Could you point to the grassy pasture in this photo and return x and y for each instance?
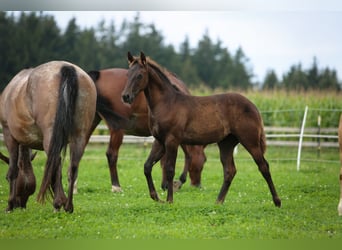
(309, 197)
(309, 201)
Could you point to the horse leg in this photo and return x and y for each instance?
(164, 181)
(226, 147)
(59, 199)
(182, 178)
(76, 151)
(340, 203)
(155, 155)
(116, 137)
(258, 156)
(194, 161)
(13, 170)
(26, 181)
(339, 207)
(96, 122)
(170, 163)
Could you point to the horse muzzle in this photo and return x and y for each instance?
(127, 98)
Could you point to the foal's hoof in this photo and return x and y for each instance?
(277, 202)
(116, 189)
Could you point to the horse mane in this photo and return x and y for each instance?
(161, 72)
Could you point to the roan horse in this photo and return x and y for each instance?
(110, 84)
(339, 208)
(46, 108)
(176, 118)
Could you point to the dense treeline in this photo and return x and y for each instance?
(33, 38)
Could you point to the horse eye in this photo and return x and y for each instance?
(139, 77)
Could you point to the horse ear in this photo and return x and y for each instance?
(143, 58)
(130, 57)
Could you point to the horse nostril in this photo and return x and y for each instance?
(125, 98)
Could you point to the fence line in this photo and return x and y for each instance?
(277, 136)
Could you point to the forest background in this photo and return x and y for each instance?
(33, 38)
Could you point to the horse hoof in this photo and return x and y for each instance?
(196, 185)
(277, 202)
(69, 210)
(9, 210)
(116, 189)
(164, 186)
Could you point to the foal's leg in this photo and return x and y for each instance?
(226, 147)
(116, 137)
(170, 163)
(76, 151)
(258, 156)
(194, 161)
(182, 178)
(156, 154)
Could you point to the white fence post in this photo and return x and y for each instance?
(301, 138)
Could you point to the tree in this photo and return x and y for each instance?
(7, 60)
(329, 80)
(70, 41)
(313, 75)
(271, 81)
(296, 79)
(240, 74)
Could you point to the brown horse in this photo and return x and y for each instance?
(226, 119)
(46, 108)
(339, 208)
(109, 84)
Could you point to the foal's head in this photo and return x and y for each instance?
(137, 77)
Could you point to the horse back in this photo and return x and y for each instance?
(207, 119)
(43, 90)
(30, 102)
(15, 116)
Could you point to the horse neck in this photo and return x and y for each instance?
(158, 90)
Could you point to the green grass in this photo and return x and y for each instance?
(309, 201)
(290, 106)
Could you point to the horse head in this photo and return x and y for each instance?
(137, 77)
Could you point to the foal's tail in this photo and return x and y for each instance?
(62, 129)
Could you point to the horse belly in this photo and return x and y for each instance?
(204, 133)
(30, 136)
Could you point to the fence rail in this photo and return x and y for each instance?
(274, 136)
(277, 136)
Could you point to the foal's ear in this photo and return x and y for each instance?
(143, 58)
(130, 57)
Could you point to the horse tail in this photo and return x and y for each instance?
(62, 129)
(113, 119)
